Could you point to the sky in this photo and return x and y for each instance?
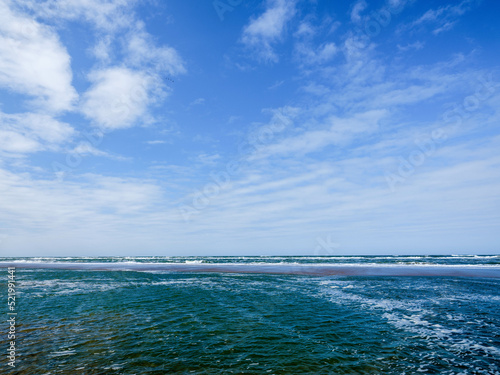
(228, 127)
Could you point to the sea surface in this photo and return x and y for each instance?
(255, 315)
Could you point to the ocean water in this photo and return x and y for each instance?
(255, 315)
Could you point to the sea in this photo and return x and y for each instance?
(252, 315)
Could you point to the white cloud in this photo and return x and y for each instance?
(364, 83)
(447, 26)
(102, 50)
(34, 62)
(276, 85)
(47, 128)
(305, 30)
(348, 197)
(443, 18)
(17, 143)
(63, 214)
(267, 29)
(418, 45)
(85, 148)
(356, 49)
(340, 131)
(197, 101)
(110, 17)
(316, 55)
(143, 53)
(118, 98)
(31, 132)
(307, 51)
(104, 14)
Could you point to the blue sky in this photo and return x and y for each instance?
(249, 128)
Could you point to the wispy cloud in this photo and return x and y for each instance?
(305, 29)
(85, 148)
(267, 29)
(30, 132)
(197, 101)
(337, 131)
(411, 46)
(314, 55)
(102, 49)
(443, 18)
(97, 203)
(143, 53)
(348, 196)
(108, 15)
(276, 85)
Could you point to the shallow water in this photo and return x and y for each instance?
(161, 322)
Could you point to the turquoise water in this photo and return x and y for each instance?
(85, 321)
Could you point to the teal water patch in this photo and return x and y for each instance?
(125, 322)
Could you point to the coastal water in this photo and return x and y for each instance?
(125, 320)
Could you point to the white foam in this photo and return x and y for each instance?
(411, 317)
(65, 287)
(62, 353)
(472, 346)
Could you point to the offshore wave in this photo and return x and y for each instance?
(423, 259)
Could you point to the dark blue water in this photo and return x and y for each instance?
(161, 322)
